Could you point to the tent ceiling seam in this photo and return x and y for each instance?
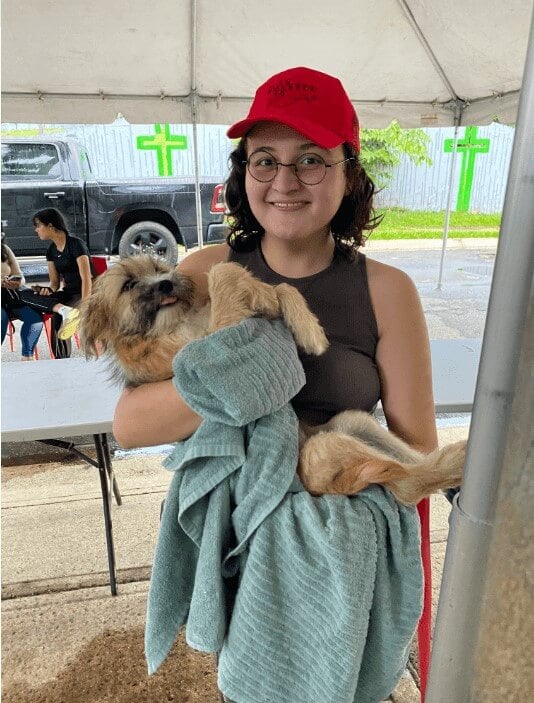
(40, 95)
(193, 44)
(192, 97)
(424, 42)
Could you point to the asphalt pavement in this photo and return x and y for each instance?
(456, 309)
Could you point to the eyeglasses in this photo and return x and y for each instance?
(310, 169)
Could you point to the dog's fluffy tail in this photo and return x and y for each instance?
(334, 462)
(410, 483)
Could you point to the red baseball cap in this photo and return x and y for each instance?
(310, 102)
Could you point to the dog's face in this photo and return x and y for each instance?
(137, 297)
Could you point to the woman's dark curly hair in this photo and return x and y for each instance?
(355, 215)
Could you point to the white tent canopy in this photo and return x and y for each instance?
(72, 61)
(422, 62)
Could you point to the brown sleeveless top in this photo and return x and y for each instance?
(345, 376)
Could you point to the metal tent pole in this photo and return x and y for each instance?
(198, 201)
(473, 514)
(194, 116)
(457, 120)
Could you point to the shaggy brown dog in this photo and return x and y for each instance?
(141, 312)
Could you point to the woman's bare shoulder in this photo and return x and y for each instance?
(392, 291)
(202, 260)
(386, 279)
(10, 255)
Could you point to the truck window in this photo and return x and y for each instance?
(21, 161)
(85, 165)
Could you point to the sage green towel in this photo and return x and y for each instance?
(330, 588)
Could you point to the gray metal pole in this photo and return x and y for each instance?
(457, 120)
(198, 201)
(465, 570)
(505, 648)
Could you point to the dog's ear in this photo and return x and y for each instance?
(96, 333)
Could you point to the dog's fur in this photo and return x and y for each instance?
(142, 312)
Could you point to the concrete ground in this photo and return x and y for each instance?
(65, 639)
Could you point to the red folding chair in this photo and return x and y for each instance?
(424, 629)
(100, 265)
(10, 334)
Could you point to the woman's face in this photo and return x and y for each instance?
(286, 208)
(41, 230)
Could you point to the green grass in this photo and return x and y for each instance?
(412, 224)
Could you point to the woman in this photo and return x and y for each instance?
(12, 306)
(300, 203)
(71, 274)
(285, 229)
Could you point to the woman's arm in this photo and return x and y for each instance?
(53, 275)
(84, 268)
(154, 413)
(14, 270)
(403, 357)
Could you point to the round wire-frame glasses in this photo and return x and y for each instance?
(310, 169)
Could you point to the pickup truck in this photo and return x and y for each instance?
(123, 216)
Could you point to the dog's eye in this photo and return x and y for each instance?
(128, 285)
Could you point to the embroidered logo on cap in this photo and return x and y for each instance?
(286, 92)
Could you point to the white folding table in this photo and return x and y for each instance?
(48, 401)
(454, 373)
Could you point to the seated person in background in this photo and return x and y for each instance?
(71, 273)
(13, 308)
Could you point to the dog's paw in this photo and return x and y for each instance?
(225, 274)
(236, 295)
(304, 326)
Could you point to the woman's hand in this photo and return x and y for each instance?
(11, 283)
(42, 290)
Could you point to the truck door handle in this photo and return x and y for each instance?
(54, 196)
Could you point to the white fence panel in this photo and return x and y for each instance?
(149, 151)
(482, 188)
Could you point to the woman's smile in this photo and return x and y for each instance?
(274, 201)
(289, 206)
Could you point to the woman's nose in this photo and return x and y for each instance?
(286, 178)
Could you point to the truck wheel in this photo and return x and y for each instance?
(149, 238)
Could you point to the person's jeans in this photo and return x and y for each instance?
(45, 303)
(32, 326)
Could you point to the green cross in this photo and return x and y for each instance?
(163, 142)
(469, 146)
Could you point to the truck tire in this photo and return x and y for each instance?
(149, 238)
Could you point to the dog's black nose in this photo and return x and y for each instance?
(166, 287)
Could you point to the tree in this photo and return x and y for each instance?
(382, 149)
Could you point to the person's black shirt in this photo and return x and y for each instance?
(66, 262)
